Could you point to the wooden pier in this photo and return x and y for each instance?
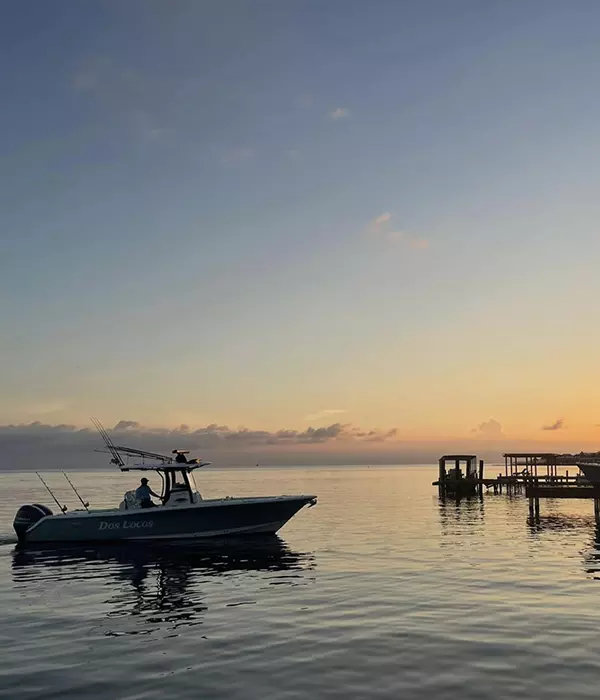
(467, 473)
(535, 474)
(531, 462)
(536, 491)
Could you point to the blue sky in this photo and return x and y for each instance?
(254, 213)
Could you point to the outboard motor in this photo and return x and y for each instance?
(28, 515)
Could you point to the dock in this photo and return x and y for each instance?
(535, 491)
(535, 475)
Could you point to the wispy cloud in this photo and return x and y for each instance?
(374, 435)
(382, 218)
(489, 429)
(325, 413)
(557, 425)
(381, 226)
(339, 113)
(237, 155)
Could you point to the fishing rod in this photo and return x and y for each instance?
(116, 457)
(83, 503)
(62, 508)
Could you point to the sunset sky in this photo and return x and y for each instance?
(283, 215)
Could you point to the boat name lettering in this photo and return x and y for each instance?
(127, 525)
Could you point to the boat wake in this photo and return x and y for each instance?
(8, 540)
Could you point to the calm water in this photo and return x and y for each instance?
(380, 591)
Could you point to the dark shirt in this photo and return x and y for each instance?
(143, 492)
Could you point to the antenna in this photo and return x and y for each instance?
(62, 508)
(116, 457)
(83, 503)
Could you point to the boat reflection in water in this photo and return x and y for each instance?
(152, 587)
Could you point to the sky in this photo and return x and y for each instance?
(374, 219)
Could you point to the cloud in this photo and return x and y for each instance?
(379, 224)
(382, 218)
(126, 425)
(331, 432)
(58, 444)
(324, 413)
(37, 427)
(48, 447)
(339, 113)
(237, 155)
(375, 436)
(557, 425)
(490, 429)
(381, 227)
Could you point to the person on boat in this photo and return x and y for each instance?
(143, 494)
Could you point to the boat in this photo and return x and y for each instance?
(591, 471)
(183, 515)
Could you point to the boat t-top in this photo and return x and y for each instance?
(182, 514)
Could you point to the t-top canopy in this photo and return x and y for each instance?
(164, 467)
(166, 463)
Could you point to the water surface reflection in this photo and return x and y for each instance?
(162, 586)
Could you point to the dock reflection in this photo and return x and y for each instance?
(455, 509)
(163, 586)
(460, 517)
(591, 558)
(558, 523)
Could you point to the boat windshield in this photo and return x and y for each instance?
(193, 483)
(176, 483)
